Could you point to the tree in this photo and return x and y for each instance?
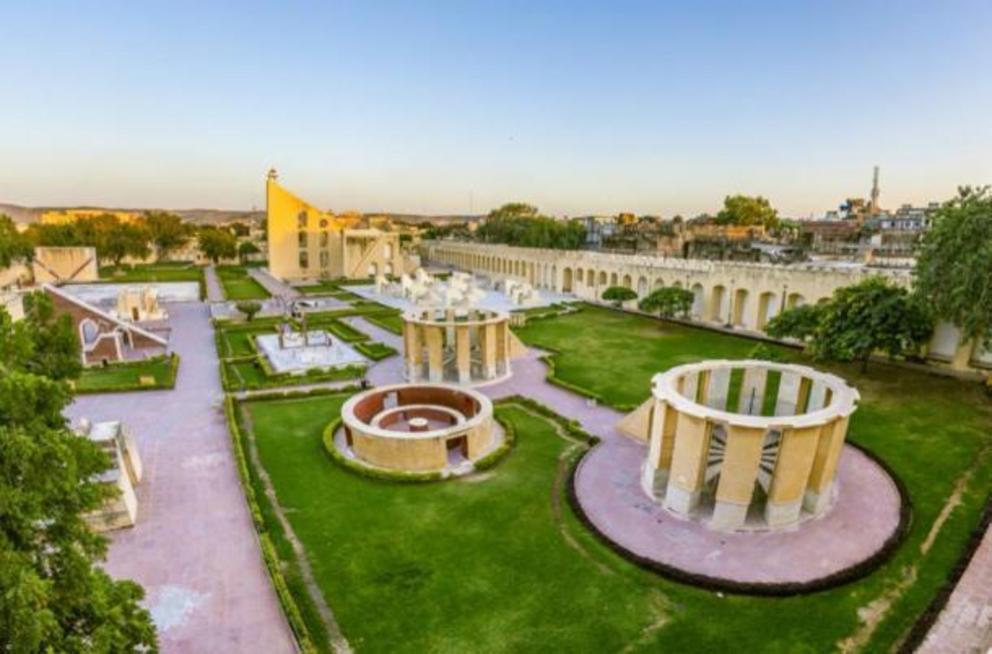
(217, 244)
(667, 302)
(954, 263)
(518, 223)
(124, 240)
(618, 295)
(14, 246)
(54, 596)
(246, 249)
(871, 316)
(799, 323)
(56, 350)
(249, 309)
(167, 232)
(748, 210)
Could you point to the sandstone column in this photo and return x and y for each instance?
(738, 473)
(435, 353)
(688, 464)
(795, 461)
(462, 350)
(821, 476)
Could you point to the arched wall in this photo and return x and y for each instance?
(769, 287)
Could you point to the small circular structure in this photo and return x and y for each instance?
(459, 346)
(746, 444)
(419, 427)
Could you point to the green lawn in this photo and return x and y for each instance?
(127, 376)
(238, 285)
(155, 272)
(931, 430)
(490, 566)
(391, 322)
(248, 374)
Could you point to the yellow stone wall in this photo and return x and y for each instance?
(335, 246)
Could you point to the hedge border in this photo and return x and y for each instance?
(842, 577)
(921, 627)
(270, 557)
(167, 385)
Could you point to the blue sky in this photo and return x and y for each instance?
(442, 107)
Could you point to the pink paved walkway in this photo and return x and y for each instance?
(194, 548)
(965, 624)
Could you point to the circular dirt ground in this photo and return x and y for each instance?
(857, 533)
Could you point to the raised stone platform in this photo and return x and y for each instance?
(860, 529)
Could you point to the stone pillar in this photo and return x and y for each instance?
(792, 468)
(435, 353)
(463, 345)
(686, 478)
(738, 474)
(502, 338)
(661, 440)
(487, 343)
(415, 352)
(821, 477)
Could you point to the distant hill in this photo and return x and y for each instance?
(22, 214)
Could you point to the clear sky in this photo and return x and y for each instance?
(444, 107)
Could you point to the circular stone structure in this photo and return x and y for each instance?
(459, 346)
(419, 428)
(737, 478)
(749, 443)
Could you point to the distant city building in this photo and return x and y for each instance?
(66, 216)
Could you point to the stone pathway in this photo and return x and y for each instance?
(215, 290)
(275, 287)
(965, 624)
(194, 547)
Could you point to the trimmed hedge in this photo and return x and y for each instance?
(379, 474)
(376, 319)
(374, 350)
(572, 427)
(269, 555)
(495, 457)
(789, 589)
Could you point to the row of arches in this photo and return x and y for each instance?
(720, 303)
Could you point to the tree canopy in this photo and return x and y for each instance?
(517, 223)
(217, 243)
(113, 238)
(167, 231)
(54, 598)
(618, 295)
(246, 249)
(859, 320)
(667, 302)
(954, 263)
(748, 210)
(799, 323)
(14, 246)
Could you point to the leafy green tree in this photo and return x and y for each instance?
(249, 309)
(954, 263)
(55, 347)
(54, 597)
(799, 323)
(14, 246)
(520, 224)
(748, 210)
(668, 302)
(124, 240)
(217, 244)
(167, 232)
(618, 295)
(868, 317)
(245, 250)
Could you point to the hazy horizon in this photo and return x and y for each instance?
(576, 108)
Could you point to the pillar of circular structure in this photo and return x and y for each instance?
(419, 428)
(756, 441)
(458, 346)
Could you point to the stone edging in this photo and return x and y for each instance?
(928, 618)
(785, 589)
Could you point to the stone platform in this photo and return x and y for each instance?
(818, 553)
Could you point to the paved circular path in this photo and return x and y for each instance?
(865, 514)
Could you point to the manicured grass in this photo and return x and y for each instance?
(374, 351)
(155, 272)
(322, 288)
(929, 429)
(248, 374)
(448, 567)
(391, 322)
(238, 285)
(120, 377)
